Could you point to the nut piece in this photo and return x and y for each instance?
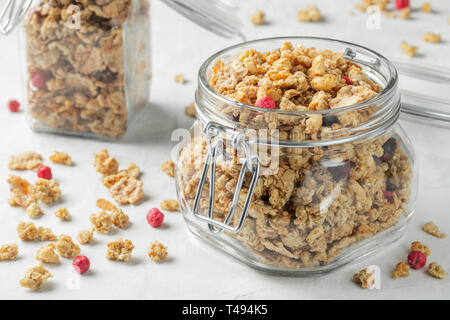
(426, 7)
(35, 277)
(105, 164)
(309, 14)
(169, 168)
(157, 251)
(401, 270)
(22, 193)
(179, 78)
(433, 229)
(34, 211)
(47, 191)
(170, 205)
(258, 17)
(85, 236)
(27, 231)
(25, 161)
(190, 110)
(46, 234)
(47, 254)
(120, 250)
(431, 37)
(63, 214)
(66, 247)
(120, 219)
(418, 246)
(9, 252)
(101, 221)
(408, 50)
(365, 278)
(105, 205)
(61, 158)
(436, 271)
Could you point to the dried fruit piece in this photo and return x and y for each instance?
(155, 217)
(105, 164)
(417, 259)
(85, 236)
(81, 264)
(27, 160)
(339, 171)
(63, 214)
(418, 246)
(401, 270)
(266, 103)
(61, 158)
(401, 4)
(389, 148)
(258, 17)
(44, 172)
(47, 191)
(170, 205)
(120, 219)
(365, 278)
(120, 250)
(157, 251)
(102, 222)
(66, 247)
(13, 105)
(433, 229)
(436, 271)
(47, 254)
(34, 211)
(169, 168)
(9, 252)
(347, 80)
(389, 195)
(35, 277)
(38, 80)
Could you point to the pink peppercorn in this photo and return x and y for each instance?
(44, 172)
(38, 80)
(266, 103)
(401, 4)
(347, 80)
(13, 105)
(81, 264)
(155, 217)
(417, 259)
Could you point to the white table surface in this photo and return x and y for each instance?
(195, 270)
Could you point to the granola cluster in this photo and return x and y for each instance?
(170, 205)
(47, 254)
(63, 214)
(35, 277)
(364, 278)
(80, 52)
(157, 251)
(25, 161)
(109, 216)
(120, 250)
(433, 229)
(401, 270)
(66, 247)
(61, 158)
(27, 231)
(9, 252)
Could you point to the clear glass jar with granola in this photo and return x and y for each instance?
(297, 164)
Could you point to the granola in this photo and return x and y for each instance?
(27, 231)
(35, 277)
(169, 168)
(25, 161)
(34, 210)
(105, 164)
(170, 205)
(63, 214)
(133, 171)
(47, 254)
(101, 221)
(426, 7)
(105, 205)
(120, 250)
(61, 158)
(365, 278)
(258, 17)
(157, 251)
(124, 188)
(9, 252)
(46, 234)
(418, 246)
(431, 37)
(22, 193)
(120, 219)
(401, 270)
(408, 49)
(179, 78)
(190, 110)
(309, 14)
(47, 191)
(436, 271)
(405, 13)
(85, 237)
(66, 247)
(432, 228)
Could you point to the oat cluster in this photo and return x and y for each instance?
(47, 254)
(157, 251)
(401, 270)
(27, 231)
(309, 14)
(418, 246)
(169, 168)
(364, 278)
(433, 229)
(66, 247)
(120, 250)
(9, 252)
(63, 214)
(61, 158)
(170, 205)
(25, 161)
(35, 277)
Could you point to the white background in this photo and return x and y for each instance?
(195, 270)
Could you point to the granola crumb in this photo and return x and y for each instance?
(436, 271)
(408, 50)
(179, 78)
(169, 168)
(309, 14)
(63, 214)
(258, 17)
(85, 237)
(46, 234)
(426, 7)
(34, 210)
(25, 161)
(125, 189)
(66, 247)
(401, 270)
(27, 231)
(47, 191)
(101, 221)
(35, 277)
(365, 278)
(61, 158)
(418, 246)
(105, 164)
(432, 228)
(431, 37)
(21, 192)
(133, 170)
(9, 252)
(170, 205)
(47, 254)
(120, 219)
(190, 110)
(120, 250)
(405, 13)
(157, 251)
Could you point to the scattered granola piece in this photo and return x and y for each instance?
(258, 17)
(22, 193)
(170, 205)
(81, 264)
(157, 251)
(44, 172)
(179, 78)
(27, 231)
(25, 161)
(120, 219)
(133, 170)
(418, 246)
(66, 247)
(120, 250)
(365, 278)
(46, 234)
(35, 277)
(105, 205)
(101, 221)
(34, 210)
(405, 14)
(309, 14)
(190, 110)
(431, 37)
(105, 164)
(433, 229)
(124, 188)
(47, 254)
(436, 271)
(47, 191)
(9, 252)
(426, 7)
(61, 158)
(408, 50)
(85, 236)
(63, 214)
(401, 270)
(169, 168)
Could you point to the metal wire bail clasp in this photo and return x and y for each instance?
(250, 163)
(10, 17)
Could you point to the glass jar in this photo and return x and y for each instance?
(262, 186)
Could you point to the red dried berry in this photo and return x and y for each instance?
(81, 264)
(38, 80)
(13, 105)
(389, 195)
(44, 172)
(155, 217)
(347, 80)
(401, 4)
(257, 85)
(266, 103)
(417, 259)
